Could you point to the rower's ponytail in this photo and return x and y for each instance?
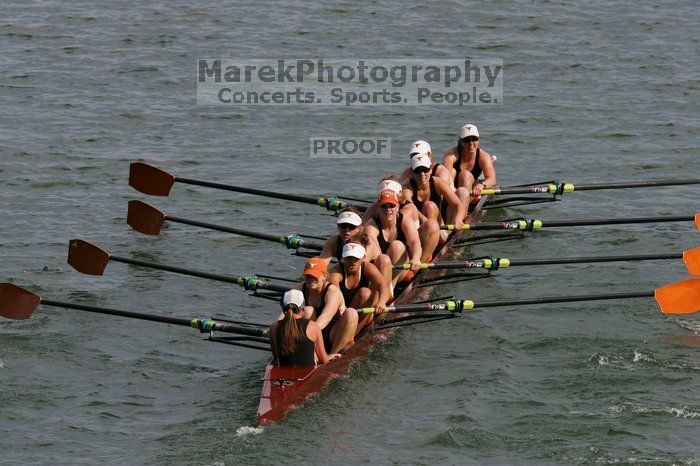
(288, 332)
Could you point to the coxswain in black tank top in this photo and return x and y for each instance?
(295, 340)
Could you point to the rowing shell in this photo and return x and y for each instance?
(287, 387)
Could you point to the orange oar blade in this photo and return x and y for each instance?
(145, 218)
(86, 257)
(679, 298)
(150, 180)
(691, 259)
(17, 303)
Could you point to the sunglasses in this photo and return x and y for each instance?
(388, 206)
(421, 170)
(469, 139)
(346, 226)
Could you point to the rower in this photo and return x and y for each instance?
(396, 236)
(433, 197)
(349, 223)
(437, 169)
(406, 208)
(467, 163)
(360, 282)
(294, 339)
(325, 305)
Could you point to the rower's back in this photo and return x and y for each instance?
(300, 351)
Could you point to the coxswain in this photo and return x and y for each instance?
(432, 196)
(349, 224)
(325, 305)
(294, 339)
(396, 236)
(437, 169)
(360, 282)
(470, 167)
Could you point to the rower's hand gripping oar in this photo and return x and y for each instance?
(677, 298)
(148, 220)
(156, 182)
(691, 259)
(89, 259)
(18, 304)
(534, 224)
(563, 188)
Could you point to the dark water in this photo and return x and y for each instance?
(594, 92)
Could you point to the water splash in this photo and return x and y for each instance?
(244, 431)
(2, 364)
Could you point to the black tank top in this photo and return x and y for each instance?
(304, 353)
(319, 309)
(434, 196)
(339, 249)
(384, 244)
(348, 293)
(476, 169)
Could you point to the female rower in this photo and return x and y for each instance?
(396, 236)
(360, 282)
(296, 340)
(325, 305)
(349, 224)
(467, 162)
(405, 207)
(437, 169)
(434, 198)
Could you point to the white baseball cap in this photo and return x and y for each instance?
(354, 250)
(419, 147)
(468, 130)
(391, 184)
(349, 217)
(421, 160)
(293, 297)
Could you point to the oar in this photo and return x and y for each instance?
(146, 219)
(89, 259)
(676, 298)
(154, 181)
(18, 304)
(691, 258)
(561, 188)
(534, 224)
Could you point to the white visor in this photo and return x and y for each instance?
(354, 250)
(293, 297)
(349, 217)
(420, 161)
(391, 184)
(419, 147)
(468, 130)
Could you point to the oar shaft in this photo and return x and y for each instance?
(252, 234)
(563, 299)
(241, 189)
(591, 259)
(174, 269)
(618, 221)
(636, 184)
(210, 325)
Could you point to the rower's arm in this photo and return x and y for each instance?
(377, 283)
(369, 213)
(329, 249)
(314, 332)
(408, 195)
(488, 169)
(412, 239)
(449, 159)
(452, 199)
(334, 300)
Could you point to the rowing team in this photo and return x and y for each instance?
(319, 318)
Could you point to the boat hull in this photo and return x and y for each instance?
(286, 388)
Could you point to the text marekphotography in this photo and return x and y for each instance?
(335, 147)
(349, 82)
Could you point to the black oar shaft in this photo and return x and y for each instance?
(174, 269)
(199, 273)
(563, 299)
(618, 221)
(637, 184)
(256, 192)
(237, 231)
(590, 259)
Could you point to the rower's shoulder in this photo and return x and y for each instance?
(452, 151)
(485, 156)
